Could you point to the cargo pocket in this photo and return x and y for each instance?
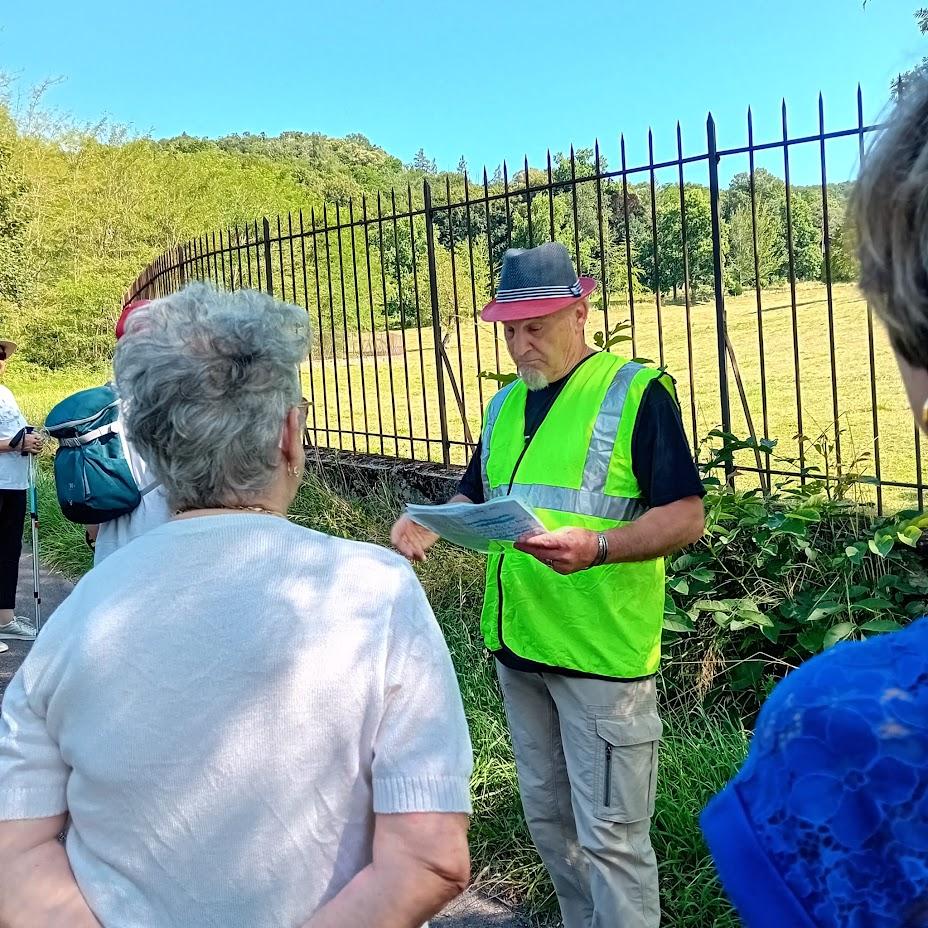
(626, 764)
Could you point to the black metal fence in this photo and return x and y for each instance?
(714, 263)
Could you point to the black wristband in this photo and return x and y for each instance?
(17, 439)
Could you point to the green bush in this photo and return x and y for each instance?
(779, 577)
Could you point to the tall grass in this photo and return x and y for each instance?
(699, 751)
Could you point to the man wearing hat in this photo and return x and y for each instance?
(595, 445)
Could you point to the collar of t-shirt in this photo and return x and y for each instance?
(539, 402)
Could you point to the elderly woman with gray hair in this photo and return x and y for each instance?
(245, 723)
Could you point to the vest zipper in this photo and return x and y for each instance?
(512, 480)
(499, 566)
(607, 784)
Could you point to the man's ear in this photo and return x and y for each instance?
(582, 312)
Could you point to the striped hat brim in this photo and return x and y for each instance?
(533, 302)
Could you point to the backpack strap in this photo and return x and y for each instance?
(152, 486)
(93, 435)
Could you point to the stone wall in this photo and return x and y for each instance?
(418, 481)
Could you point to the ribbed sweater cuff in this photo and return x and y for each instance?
(422, 794)
(32, 802)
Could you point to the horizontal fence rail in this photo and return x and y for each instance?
(715, 264)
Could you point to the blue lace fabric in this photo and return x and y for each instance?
(836, 782)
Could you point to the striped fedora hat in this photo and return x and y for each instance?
(536, 282)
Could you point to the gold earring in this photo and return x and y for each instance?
(292, 471)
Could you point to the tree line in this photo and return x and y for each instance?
(84, 208)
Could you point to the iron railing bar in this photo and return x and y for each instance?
(357, 310)
(399, 287)
(312, 376)
(792, 289)
(415, 284)
(826, 241)
(655, 256)
(370, 297)
(870, 339)
(473, 292)
(386, 324)
(628, 251)
(686, 294)
(757, 286)
(341, 278)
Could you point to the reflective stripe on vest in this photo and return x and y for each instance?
(490, 417)
(606, 429)
(582, 502)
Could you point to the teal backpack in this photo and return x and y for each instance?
(92, 476)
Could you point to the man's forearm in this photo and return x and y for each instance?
(659, 532)
(386, 899)
(37, 888)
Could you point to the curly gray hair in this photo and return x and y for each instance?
(206, 379)
(891, 211)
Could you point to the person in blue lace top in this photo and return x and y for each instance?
(826, 824)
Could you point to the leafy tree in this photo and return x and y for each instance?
(739, 259)
(806, 240)
(902, 82)
(844, 265)
(423, 163)
(670, 238)
(14, 264)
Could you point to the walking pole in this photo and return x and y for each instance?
(34, 516)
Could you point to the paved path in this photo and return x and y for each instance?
(472, 910)
(54, 588)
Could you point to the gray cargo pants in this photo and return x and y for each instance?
(586, 755)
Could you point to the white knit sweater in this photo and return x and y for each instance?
(222, 706)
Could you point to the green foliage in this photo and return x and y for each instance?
(806, 238)
(84, 209)
(739, 264)
(777, 578)
(902, 81)
(844, 264)
(14, 216)
(670, 239)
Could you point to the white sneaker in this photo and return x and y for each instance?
(19, 628)
(4, 647)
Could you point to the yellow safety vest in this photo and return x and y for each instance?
(575, 471)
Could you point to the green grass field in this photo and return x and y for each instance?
(358, 391)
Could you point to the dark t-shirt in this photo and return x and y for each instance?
(661, 458)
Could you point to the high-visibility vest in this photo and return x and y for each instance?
(575, 471)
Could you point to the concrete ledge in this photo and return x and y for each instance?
(418, 481)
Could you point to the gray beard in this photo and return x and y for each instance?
(533, 379)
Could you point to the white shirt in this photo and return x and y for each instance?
(14, 467)
(222, 706)
(151, 512)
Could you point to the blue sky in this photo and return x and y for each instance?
(490, 79)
